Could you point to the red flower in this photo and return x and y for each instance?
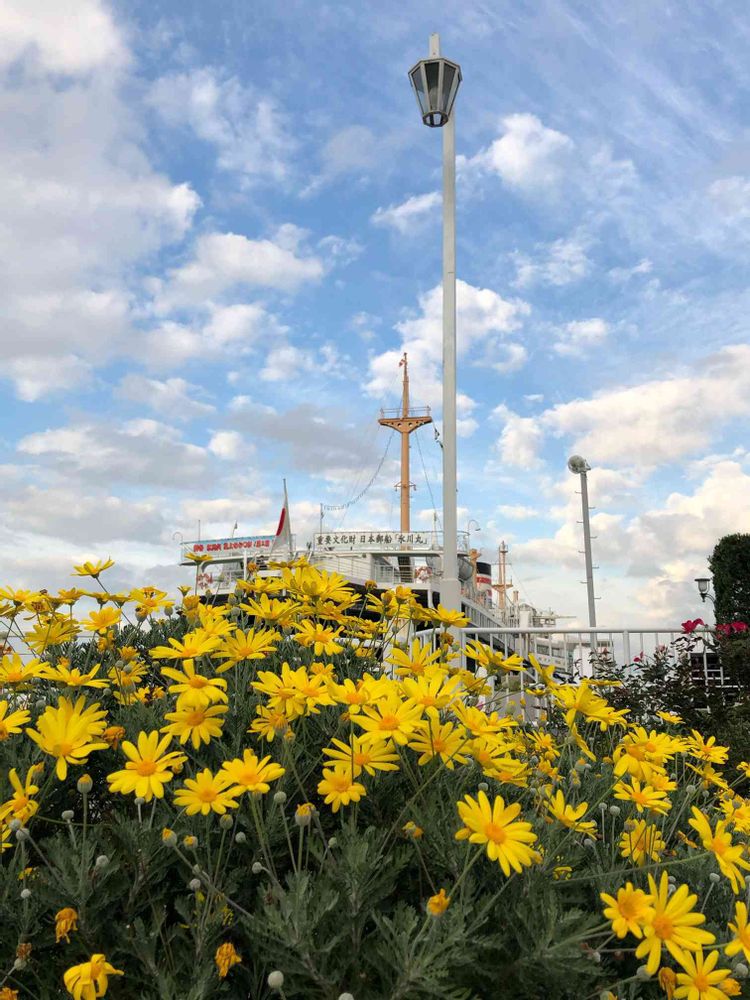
(692, 624)
(724, 629)
(739, 627)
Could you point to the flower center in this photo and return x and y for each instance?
(389, 722)
(340, 782)
(207, 794)
(195, 718)
(663, 927)
(701, 982)
(718, 846)
(198, 682)
(145, 768)
(495, 833)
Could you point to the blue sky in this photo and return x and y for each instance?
(220, 227)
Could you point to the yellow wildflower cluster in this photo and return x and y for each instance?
(333, 700)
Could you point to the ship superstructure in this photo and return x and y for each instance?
(374, 559)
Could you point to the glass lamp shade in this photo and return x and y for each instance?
(435, 83)
(703, 582)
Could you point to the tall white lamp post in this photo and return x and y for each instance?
(579, 466)
(435, 81)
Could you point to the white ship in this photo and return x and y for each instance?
(389, 558)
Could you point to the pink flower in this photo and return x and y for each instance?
(739, 627)
(692, 624)
(724, 629)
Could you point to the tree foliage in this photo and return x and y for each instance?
(730, 567)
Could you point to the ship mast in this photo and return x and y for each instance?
(405, 422)
(502, 585)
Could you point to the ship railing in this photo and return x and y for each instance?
(397, 411)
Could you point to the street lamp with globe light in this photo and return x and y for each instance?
(436, 81)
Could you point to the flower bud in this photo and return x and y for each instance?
(332, 842)
(257, 868)
(194, 884)
(190, 842)
(168, 611)
(67, 815)
(127, 668)
(642, 973)
(275, 979)
(19, 963)
(26, 894)
(614, 810)
(85, 784)
(22, 834)
(240, 837)
(690, 790)
(102, 861)
(715, 877)
(226, 822)
(169, 837)
(345, 996)
(279, 798)
(140, 801)
(483, 786)
(741, 970)
(196, 870)
(588, 842)
(15, 824)
(40, 704)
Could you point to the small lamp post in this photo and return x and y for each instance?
(580, 467)
(704, 584)
(436, 81)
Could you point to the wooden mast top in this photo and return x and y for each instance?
(405, 422)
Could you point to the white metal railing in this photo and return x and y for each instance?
(574, 652)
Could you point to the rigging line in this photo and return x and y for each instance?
(350, 503)
(369, 447)
(426, 477)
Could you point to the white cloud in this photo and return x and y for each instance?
(660, 420)
(559, 263)
(76, 182)
(248, 130)
(286, 362)
(36, 377)
(517, 511)
(520, 439)
(174, 397)
(622, 274)
(64, 512)
(62, 38)
(731, 196)
(663, 547)
(240, 324)
(654, 422)
(229, 261)
(141, 452)
(484, 319)
(527, 156)
(579, 335)
(407, 216)
(515, 357)
(227, 445)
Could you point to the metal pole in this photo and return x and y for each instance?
(450, 588)
(587, 549)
